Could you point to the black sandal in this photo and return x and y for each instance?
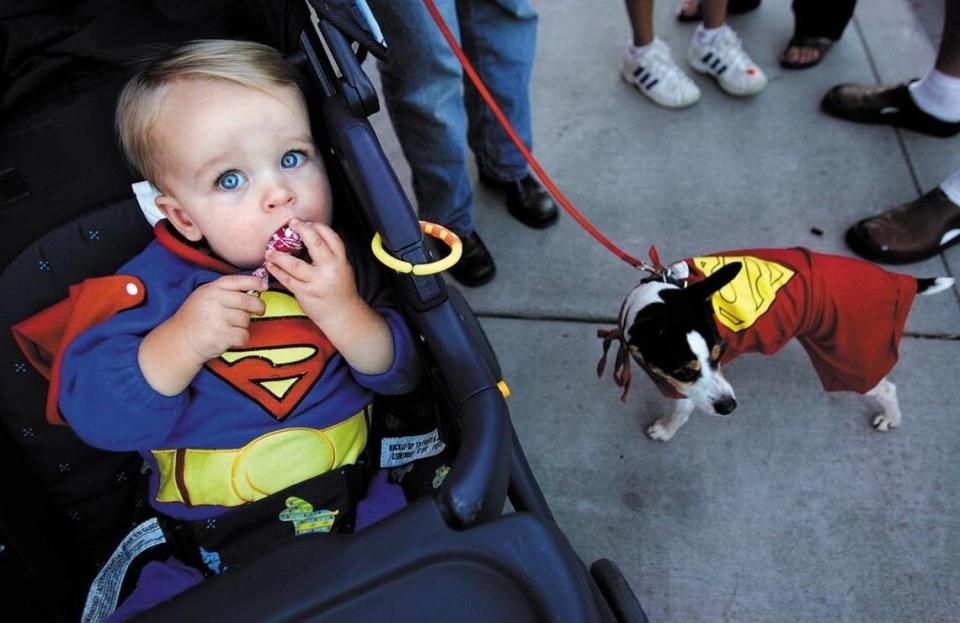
(820, 44)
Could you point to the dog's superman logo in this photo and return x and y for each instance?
(282, 360)
(741, 302)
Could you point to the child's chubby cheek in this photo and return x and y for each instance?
(315, 197)
(244, 253)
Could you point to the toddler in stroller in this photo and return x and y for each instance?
(233, 398)
(453, 539)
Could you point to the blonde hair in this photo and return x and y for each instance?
(246, 63)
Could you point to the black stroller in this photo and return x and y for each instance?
(450, 555)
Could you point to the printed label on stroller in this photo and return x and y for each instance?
(102, 598)
(397, 451)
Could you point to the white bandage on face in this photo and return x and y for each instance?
(147, 195)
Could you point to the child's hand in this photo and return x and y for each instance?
(216, 316)
(327, 293)
(213, 319)
(324, 287)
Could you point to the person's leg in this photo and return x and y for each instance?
(423, 89)
(717, 51)
(640, 13)
(938, 92)
(648, 64)
(948, 56)
(689, 10)
(816, 18)
(714, 13)
(930, 105)
(816, 25)
(500, 37)
(921, 228)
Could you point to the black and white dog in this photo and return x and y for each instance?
(700, 313)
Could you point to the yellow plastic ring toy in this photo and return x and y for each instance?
(431, 229)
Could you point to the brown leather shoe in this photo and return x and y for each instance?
(910, 232)
(892, 105)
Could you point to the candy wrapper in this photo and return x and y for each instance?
(284, 240)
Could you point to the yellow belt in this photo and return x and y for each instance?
(266, 465)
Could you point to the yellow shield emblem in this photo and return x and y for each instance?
(738, 304)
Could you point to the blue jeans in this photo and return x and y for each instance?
(436, 115)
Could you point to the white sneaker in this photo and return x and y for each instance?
(725, 60)
(657, 76)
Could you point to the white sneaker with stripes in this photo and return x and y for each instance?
(656, 75)
(723, 58)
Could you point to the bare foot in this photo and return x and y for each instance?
(801, 55)
(689, 10)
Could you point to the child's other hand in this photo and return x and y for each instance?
(324, 287)
(327, 293)
(216, 316)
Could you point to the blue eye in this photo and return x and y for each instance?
(231, 180)
(292, 159)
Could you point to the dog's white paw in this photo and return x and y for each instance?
(885, 422)
(658, 432)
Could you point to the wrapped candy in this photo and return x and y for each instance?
(284, 240)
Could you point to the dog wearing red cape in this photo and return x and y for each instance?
(685, 322)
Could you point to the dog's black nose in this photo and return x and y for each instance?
(725, 405)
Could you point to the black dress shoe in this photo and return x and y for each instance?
(475, 267)
(527, 201)
(892, 105)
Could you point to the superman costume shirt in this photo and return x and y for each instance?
(283, 408)
(847, 314)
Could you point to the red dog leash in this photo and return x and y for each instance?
(656, 268)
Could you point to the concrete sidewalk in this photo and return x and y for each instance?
(793, 509)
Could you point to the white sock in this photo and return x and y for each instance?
(951, 188)
(636, 52)
(938, 94)
(706, 36)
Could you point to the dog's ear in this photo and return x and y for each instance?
(702, 290)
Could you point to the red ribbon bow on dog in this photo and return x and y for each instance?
(621, 366)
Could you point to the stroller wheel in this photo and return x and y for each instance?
(614, 588)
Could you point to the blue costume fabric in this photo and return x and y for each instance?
(290, 384)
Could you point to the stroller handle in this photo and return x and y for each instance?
(476, 488)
